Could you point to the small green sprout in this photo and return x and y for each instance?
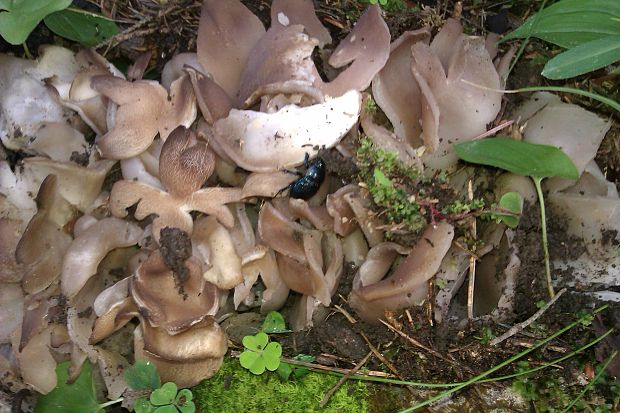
(486, 335)
(286, 371)
(274, 323)
(389, 5)
(168, 399)
(507, 211)
(526, 159)
(260, 354)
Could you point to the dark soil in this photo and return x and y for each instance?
(176, 248)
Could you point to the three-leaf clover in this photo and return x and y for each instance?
(260, 354)
(163, 399)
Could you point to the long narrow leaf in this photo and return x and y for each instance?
(522, 158)
(569, 23)
(584, 58)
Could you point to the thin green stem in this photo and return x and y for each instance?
(488, 380)
(550, 363)
(110, 403)
(27, 51)
(543, 225)
(592, 382)
(502, 364)
(527, 39)
(591, 95)
(603, 99)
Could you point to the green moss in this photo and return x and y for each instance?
(405, 198)
(234, 389)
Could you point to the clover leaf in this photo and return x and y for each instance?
(259, 354)
(20, 17)
(164, 395)
(166, 399)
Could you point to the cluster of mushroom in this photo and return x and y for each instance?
(77, 271)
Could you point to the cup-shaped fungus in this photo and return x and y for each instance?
(299, 112)
(372, 295)
(145, 109)
(453, 91)
(186, 358)
(169, 302)
(184, 165)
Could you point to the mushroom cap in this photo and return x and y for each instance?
(283, 54)
(367, 46)
(184, 163)
(288, 12)
(227, 33)
(157, 293)
(145, 108)
(266, 142)
(186, 358)
(224, 263)
(90, 248)
(396, 91)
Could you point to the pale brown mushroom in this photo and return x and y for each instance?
(406, 286)
(184, 165)
(283, 54)
(396, 91)
(42, 246)
(289, 12)
(186, 358)
(145, 109)
(169, 302)
(267, 142)
(223, 264)
(367, 46)
(90, 247)
(227, 33)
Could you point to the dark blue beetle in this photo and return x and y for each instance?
(310, 182)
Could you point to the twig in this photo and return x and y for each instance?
(472, 261)
(423, 347)
(521, 326)
(385, 361)
(346, 314)
(344, 378)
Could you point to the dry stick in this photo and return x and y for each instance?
(344, 378)
(521, 326)
(385, 361)
(472, 260)
(423, 347)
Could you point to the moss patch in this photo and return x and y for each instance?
(234, 389)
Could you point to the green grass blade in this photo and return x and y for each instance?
(569, 23)
(592, 382)
(502, 364)
(584, 58)
(603, 99)
(521, 158)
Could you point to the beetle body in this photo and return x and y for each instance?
(309, 184)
